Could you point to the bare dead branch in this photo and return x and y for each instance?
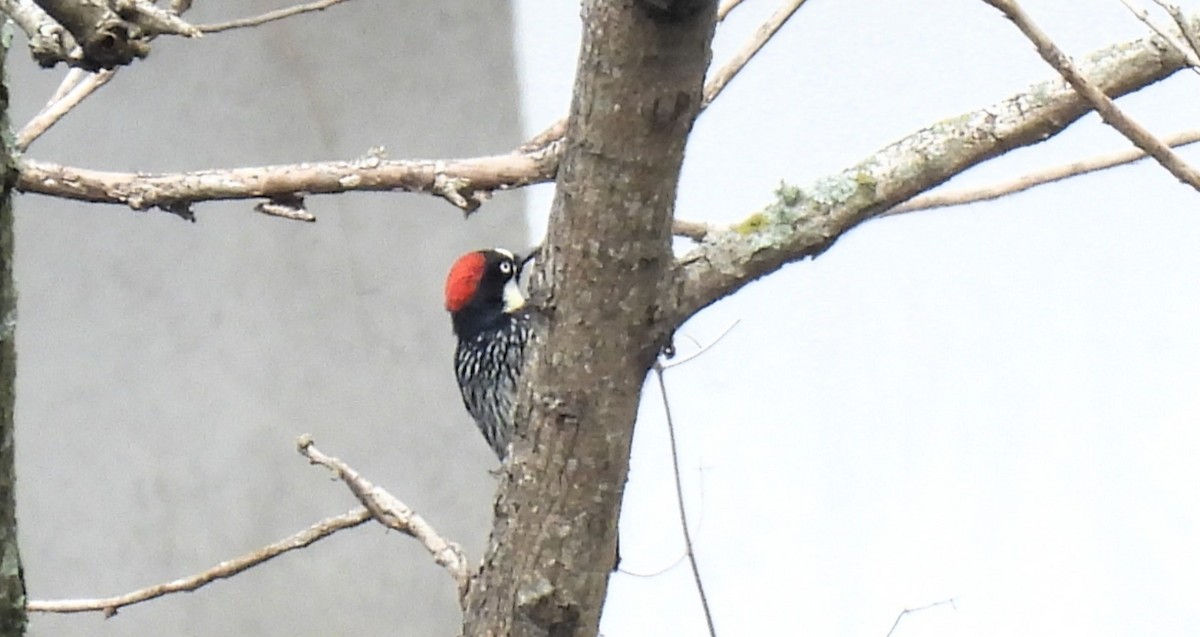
(224, 570)
(1141, 14)
(269, 16)
(394, 514)
(725, 74)
(804, 222)
(79, 85)
(49, 42)
(463, 182)
(959, 197)
(1107, 109)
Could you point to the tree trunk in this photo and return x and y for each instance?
(12, 581)
(609, 264)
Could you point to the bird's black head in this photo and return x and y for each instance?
(481, 291)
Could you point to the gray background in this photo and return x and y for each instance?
(166, 368)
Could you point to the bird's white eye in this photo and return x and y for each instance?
(506, 267)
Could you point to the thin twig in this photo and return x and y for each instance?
(917, 609)
(704, 349)
(683, 521)
(1184, 50)
(62, 104)
(1189, 33)
(269, 16)
(1108, 110)
(224, 570)
(720, 79)
(659, 369)
(394, 514)
(941, 199)
(71, 79)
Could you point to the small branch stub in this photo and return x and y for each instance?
(287, 207)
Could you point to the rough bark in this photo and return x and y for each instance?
(12, 582)
(608, 256)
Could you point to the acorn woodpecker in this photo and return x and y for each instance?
(493, 327)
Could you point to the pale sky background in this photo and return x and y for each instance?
(996, 403)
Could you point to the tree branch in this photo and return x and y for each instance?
(465, 183)
(394, 514)
(224, 570)
(1107, 109)
(805, 222)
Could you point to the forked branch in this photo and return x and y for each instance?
(394, 514)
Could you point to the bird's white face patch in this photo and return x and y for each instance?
(513, 299)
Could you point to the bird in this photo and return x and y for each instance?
(493, 326)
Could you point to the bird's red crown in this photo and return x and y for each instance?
(464, 279)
